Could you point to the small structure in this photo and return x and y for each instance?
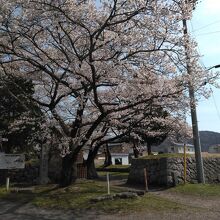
(169, 146)
(81, 167)
(214, 149)
(120, 158)
(179, 148)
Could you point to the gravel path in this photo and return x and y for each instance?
(206, 203)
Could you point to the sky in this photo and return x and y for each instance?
(205, 28)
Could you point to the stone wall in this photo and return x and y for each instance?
(28, 175)
(170, 171)
(156, 169)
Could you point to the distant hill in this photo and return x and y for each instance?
(208, 138)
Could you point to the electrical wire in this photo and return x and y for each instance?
(215, 104)
(199, 50)
(218, 114)
(202, 63)
(208, 33)
(207, 25)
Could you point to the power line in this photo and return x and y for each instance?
(208, 33)
(198, 48)
(207, 25)
(215, 104)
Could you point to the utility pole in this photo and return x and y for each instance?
(196, 138)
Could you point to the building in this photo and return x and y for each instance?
(173, 147)
(214, 149)
(120, 158)
(179, 148)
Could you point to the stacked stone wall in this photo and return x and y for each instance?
(28, 175)
(170, 171)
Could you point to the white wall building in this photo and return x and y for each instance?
(120, 158)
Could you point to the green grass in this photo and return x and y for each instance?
(202, 190)
(146, 203)
(119, 166)
(177, 155)
(78, 196)
(164, 156)
(3, 192)
(114, 166)
(114, 174)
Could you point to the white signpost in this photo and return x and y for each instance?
(12, 161)
(5, 139)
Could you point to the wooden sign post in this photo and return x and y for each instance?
(184, 161)
(108, 184)
(11, 161)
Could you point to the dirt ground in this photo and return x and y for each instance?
(202, 208)
(205, 209)
(198, 209)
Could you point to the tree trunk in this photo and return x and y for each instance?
(108, 157)
(91, 170)
(68, 171)
(149, 149)
(135, 150)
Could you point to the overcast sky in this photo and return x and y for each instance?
(205, 27)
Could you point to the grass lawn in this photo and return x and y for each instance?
(177, 155)
(158, 156)
(78, 195)
(113, 167)
(118, 166)
(114, 174)
(203, 190)
(3, 192)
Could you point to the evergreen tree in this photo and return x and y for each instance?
(19, 116)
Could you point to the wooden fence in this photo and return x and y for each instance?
(81, 171)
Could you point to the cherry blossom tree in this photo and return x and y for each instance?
(142, 126)
(93, 62)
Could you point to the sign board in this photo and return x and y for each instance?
(12, 161)
(5, 139)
